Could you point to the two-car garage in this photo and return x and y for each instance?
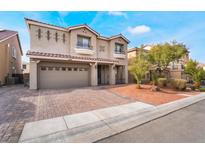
(58, 75)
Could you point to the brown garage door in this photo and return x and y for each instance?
(68, 76)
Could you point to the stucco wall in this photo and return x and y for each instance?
(51, 45)
(105, 45)
(6, 59)
(131, 54)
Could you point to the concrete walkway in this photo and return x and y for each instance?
(98, 124)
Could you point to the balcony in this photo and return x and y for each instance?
(84, 49)
(119, 54)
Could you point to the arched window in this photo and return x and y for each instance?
(48, 35)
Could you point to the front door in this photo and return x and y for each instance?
(103, 75)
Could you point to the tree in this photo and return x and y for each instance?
(195, 72)
(161, 55)
(139, 66)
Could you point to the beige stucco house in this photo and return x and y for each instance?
(76, 56)
(10, 57)
(176, 68)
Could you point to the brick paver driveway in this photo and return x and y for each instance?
(19, 105)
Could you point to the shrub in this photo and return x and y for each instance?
(202, 89)
(179, 84)
(162, 82)
(191, 86)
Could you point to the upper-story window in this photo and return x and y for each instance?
(83, 42)
(13, 52)
(119, 48)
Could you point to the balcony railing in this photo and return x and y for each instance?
(119, 52)
(84, 46)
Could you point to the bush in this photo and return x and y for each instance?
(162, 82)
(179, 84)
(202, 89)
(191, 86)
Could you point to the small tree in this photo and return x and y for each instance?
(161, 55)
(195, 72)
(139, 67)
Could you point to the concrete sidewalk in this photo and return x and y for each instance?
(98, 124)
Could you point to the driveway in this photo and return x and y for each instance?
(19, 105)
(185, 125)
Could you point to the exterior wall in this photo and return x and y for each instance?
(27, 70)
(51, 45)
(8, 64)
(106, 52)
(33, 74)
(131, 54)
(176, 74)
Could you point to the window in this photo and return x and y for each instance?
(24, 66)
(63, 69)
(39, 33)
(83, 42)
(43, 68)
(57, 68)
(119, 48)
(50, 68)
(75, 69)
(13, 52)
(69, 69)
(63, 38)
(56, 37)
(48, 35)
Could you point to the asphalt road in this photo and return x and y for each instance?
(185, 125)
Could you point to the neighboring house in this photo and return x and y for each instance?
(202, 65)
(10, 57)
(176, 69)
(25, 67)
(76, 56)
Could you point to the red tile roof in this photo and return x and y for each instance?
(43, 54)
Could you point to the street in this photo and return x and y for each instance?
(185, 125)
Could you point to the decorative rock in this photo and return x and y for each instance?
(188, 89)
(155, 88)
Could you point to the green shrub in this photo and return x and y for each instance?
(202, 89)
(162, 82)
(191, 86)
(179, 84)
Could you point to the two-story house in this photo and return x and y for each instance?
(76, 56)
(10, 57)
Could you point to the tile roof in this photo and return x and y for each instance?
(6, 33)
(43, 54)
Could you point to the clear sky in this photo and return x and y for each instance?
(138, 27)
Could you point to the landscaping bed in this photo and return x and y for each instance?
(145, 94)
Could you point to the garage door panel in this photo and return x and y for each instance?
(63, 79)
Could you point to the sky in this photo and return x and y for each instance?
(139, 27)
